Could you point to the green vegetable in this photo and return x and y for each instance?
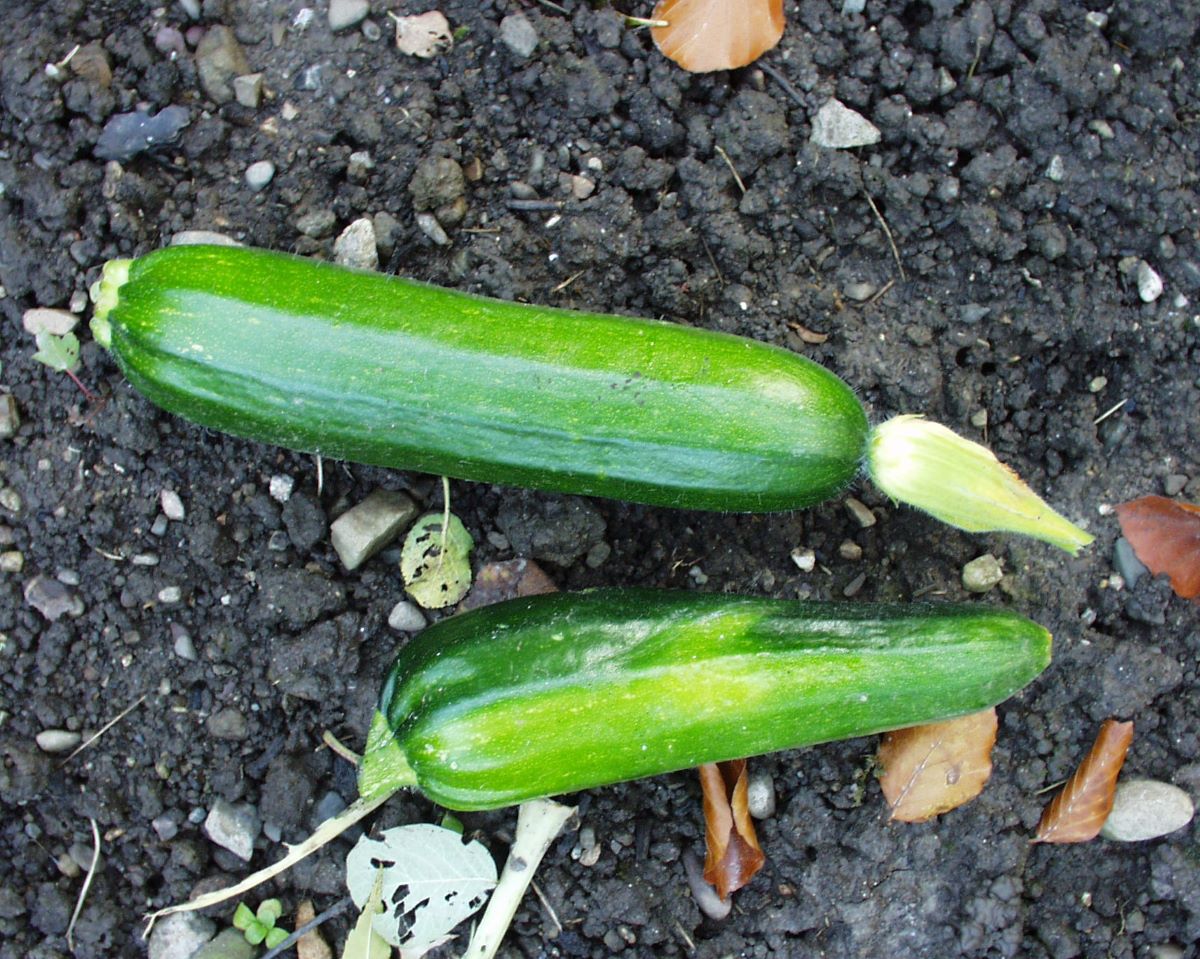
(380, 370)
(389, 372)
(553, 694)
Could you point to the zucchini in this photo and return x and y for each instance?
(391, 372)
(554, 694)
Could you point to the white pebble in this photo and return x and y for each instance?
(405, 617)
(202, 238)
(838, 127)
(429, 225)
(1146, 809)
(259, 174)
(805, 559)
(760, 795)
(57, 740)
(172, 505)
(356, 246)
(281, 487)
(41, 320)
(1149, 283)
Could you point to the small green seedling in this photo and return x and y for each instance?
(259, 927)
(60, 353)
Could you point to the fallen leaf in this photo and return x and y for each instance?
(434, 560)
(506, 579)
(311, 945)
(425, 35)
(734, 855)
(706, 35)
(1078, 812)
(931, 769)
(1165, 536)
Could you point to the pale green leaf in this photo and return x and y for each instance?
(58, 352)
(364, 942)
(243, 917)
(435, 560)
(431, 881)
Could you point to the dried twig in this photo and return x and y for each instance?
(87, 883)
(779, 78)
(339, 747)
(732, 169)
(887, 232)
(105, 728)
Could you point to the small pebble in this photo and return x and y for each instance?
(1146, 809)
(838, 127)
(52, 599)
(347, 13)
(1174, 484)
(41, 320)
(1056, 170)
(259, 174)
(705, 895)
(805, 559)
(1149, 283)
(1097, 384)
(57, 740)
(12, 561)
(982, 573)
(850, 550)
(145, 559)
(760, 795)
(598, 555)
(859, 291)
(165, 827)
(248, 90)
(183, 645)
(359, 165)
(10, 499)
(405, 617)
(10, 417)
(280, 488)
(172, 505)
(228, 723)
(1130, 568)
(861, 512)
(159, 526)
(979, 419)
(854, 586)
(355, 247)
(68, 577)
(372, 30)
(518, 34)
(170, 594)
(279, 541)
(233, 827)
(429, 225)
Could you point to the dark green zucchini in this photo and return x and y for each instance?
(390, 372)
(553, 694)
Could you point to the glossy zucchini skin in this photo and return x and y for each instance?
(390, 372)
(554, 694)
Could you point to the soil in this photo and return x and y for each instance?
(1033, 154)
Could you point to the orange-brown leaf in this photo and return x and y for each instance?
(734, 855)
(931, 769)
(705, 35)
(1078, 812)
(1165, 535)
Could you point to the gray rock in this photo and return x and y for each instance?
(838, 127)
(437, 183)
(317, 223)
(220, 58)
(344, 14)
(406, 617)
(259, 174)
(227, 723)
(57, 740)
(365, 529)
(861, 512)
(359, 165)
(52, 599)
(178, 936)
(1175, 483)
(12, 561)
(982, 573)
(248, 90)
(165, 827)
(172, 505)
(1146, 809)
(355, 247)
(182, 643)
(10, 416)
(229, 944)
(125, 135)
(40, 319)
(202, 238)
(233, 827)
(1149, 283)
(518, 34)
(428, 224)
(1126, 562)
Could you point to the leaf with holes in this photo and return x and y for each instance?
(435, 560)
(931, 769)
(431, 881)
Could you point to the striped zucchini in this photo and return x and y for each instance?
(554, 694)
(390, 372)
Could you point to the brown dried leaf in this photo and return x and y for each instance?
(1078, 812)
(1165, 536)
(734, 855)
(931, 769)
(506, 579)
(311, 945)
(706, 35)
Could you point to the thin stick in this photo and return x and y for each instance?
(320, 474)
(882, 292)
(732, 169)
(568, 281)
(329, 830)
(686, 938)
(555, 7)
(87, 883)
(105, 728)
(779, 78)
(713, 260)
(1109, 412)
(546, 905)
(335, 910)
(887, 232)
(339, 747)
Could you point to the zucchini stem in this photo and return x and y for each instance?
(961, 483)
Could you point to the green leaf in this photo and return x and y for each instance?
(256, 932)
(243, 918)
(269, 912)
(275, 937)
(364, 942)
(435, 560)
(453, 823)
(58, 352)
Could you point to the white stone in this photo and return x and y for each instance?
(280, 488)
(425, 35)
(202, 238)
(1146, 809)
(805, 559)
(429, 225)
(233, 827)
(248, 89)
(518, 34)
(347, 13)
(57, 740)
(838, 127)
(1149, 283)
(180, 936)
(259, 174)
(365, 529)
(1056, 170)
(760, 795)
(42, 320)
(172, 505)
(406, 617)
(355, 247)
